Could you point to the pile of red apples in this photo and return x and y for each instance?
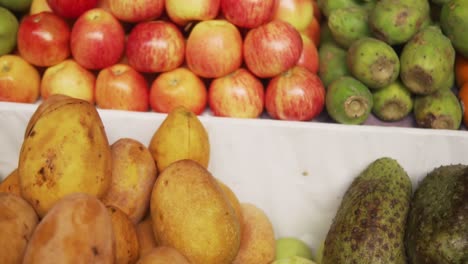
(230, 58)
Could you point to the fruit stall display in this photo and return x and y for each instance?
(149, 131)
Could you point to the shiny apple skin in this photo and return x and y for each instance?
(214, 48)
(97, 39)
(178, 87)
(155, 46)
(123, 88)
(71, 8)
(272, 48)
(296, 94)
(44, 39)
(248, 13)
(239, 95)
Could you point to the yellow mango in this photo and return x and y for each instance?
(18, 220)
(65, 151)
(77, 229)
(145, 236)
(133, 175)
(258, 244)
(127, 248)
(180, 136)
(191, 214)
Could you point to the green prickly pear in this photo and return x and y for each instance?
(427, 61)
(439, 110)
(454, 23)
(332, 63)
(373, 62)
(393, 102)
(396, 21)
(348, 25)
(327, 6)
(348, 101)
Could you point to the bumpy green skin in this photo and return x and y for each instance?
(348, 101)
(332, 63)
(373, 62)
(393, 102)
(439, 110)
(396, 21)
(327, 6)
(427, 61)
(437, 228)
(369, 225)
(348, 25)
(454, 23)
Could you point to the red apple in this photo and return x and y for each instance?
(71, 8)
(68, 78)
(19, 80)
(136, 10)
(214, 48)
(313, 31)
(178, 87)
(309, 56)
(182, 11)
(296, 94)
(43, 39)
(248, 13)
(239, 94)
(121, 87)
(298, 13)
(97, 39)
(155, 46)
(272, 48)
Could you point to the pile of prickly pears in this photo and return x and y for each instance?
(393, 59)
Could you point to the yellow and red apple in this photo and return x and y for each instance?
(68, 78)
(178, 87)
(214, 48)
(182, 12)
(248, 13)
(38, 6)
(298, 13)
(296, 94)
(122, 87)
(272, 48)
(19, 80)
(239, 94)
(134, 11)
(155, 46)
(309, 56)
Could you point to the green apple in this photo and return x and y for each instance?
(293, 260)
(290, 247)
(8, 30)
(16, 5)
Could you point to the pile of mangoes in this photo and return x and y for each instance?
(75, 198)
(393, 58)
